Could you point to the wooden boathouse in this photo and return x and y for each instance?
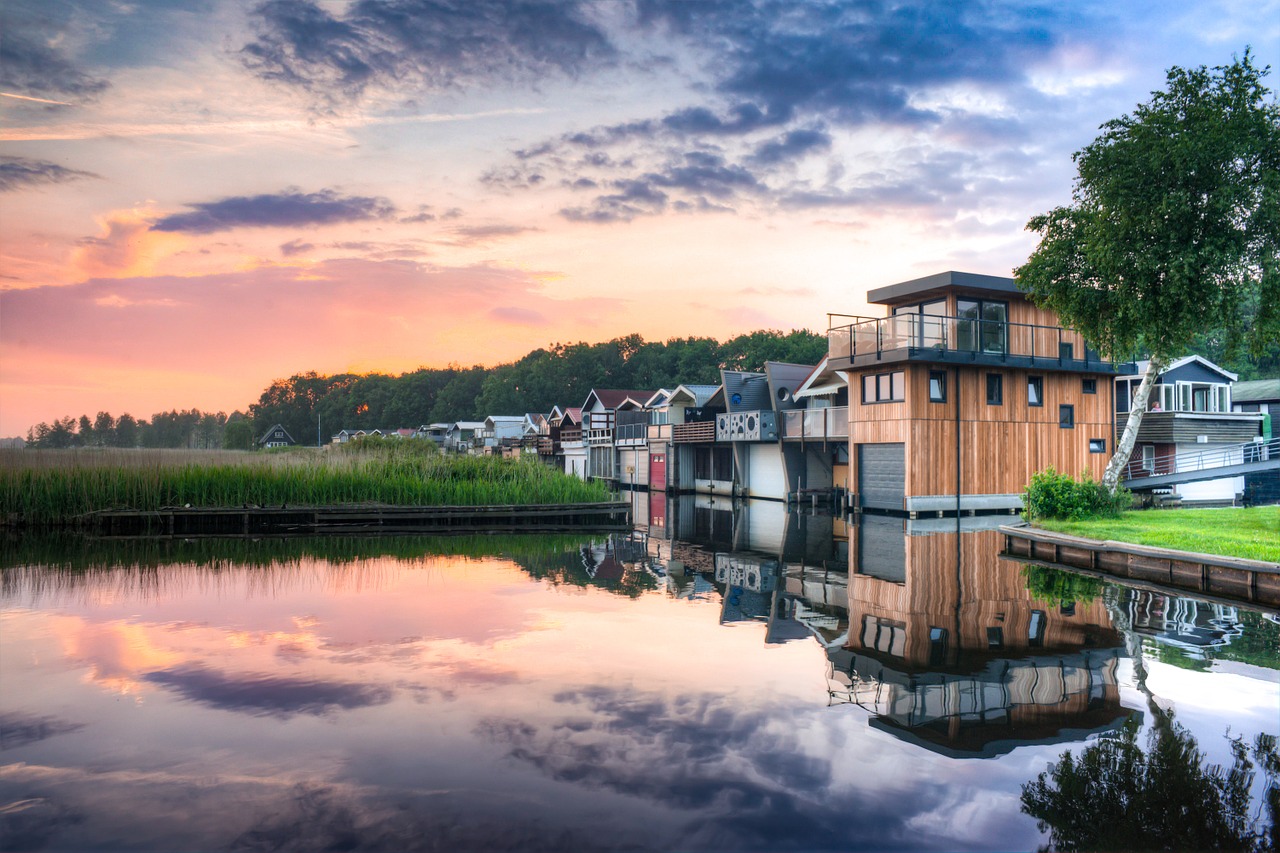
(964, 390)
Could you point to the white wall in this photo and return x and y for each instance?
(764, 475)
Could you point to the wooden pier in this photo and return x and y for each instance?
(1227, 578)
(370, 520)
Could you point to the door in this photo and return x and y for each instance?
(658, 471)
(882, 475)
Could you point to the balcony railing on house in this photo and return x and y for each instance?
(659, 432)
(920, 337)
(757, 425)
(698, 432)
(570, 436)
(548, 446)
(816, 424)
(631, 433)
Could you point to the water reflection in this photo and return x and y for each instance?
(727, 675)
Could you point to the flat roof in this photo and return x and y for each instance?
(922, 287)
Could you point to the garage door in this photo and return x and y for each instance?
(882, 475)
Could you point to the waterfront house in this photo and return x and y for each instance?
(1259, 395)
(432, 432)
(963, 391)
(1190, 423)
(669, 411)
(461, 435)
(754, 404)
(599, 422)
(696, 462)
(572, 443)
(277, 436)
(819, 432)
(499, 432)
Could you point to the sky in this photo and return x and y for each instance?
(200, 196)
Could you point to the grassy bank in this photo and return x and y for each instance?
(1252, 533)
(49, 487)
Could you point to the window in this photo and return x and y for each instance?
(995, 389)
(1097, 445)
(1091, 386)
(928, 321)
(1149, 458)
(1067, 352)
(937, 646)
(1035, 390)
(884, 387)
(1035, 631)
(995, 638)
(1067, 417)
(981, 325)
(937, 386)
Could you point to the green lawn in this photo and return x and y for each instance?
(1252, 533)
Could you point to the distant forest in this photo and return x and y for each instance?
(311, 406)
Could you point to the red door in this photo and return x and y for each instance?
(657, 472)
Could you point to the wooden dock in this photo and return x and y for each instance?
(1227, 578)
(372, 520)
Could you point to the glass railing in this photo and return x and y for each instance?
(831, 422)
(919, 333)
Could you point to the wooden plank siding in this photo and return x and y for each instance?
(1001, 445)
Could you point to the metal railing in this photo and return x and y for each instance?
(631, 432)
(831, 422)
(1203, 460)
(920, 333)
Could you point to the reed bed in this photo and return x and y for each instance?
(54, 487)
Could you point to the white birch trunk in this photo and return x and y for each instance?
(1138, 408)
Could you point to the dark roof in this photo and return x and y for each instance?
(745, 390)
(1256, 391)
(280, 427)
(921, 288)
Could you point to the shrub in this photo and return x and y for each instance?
(1054, 495)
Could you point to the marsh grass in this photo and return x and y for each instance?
(54, 486)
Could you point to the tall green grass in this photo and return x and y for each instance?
(53, 487)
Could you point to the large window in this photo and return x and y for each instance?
(981, 325)
(928, 328)
(1035, 390)
(884, 387)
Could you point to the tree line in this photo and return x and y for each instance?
(313, 407)
(192, 429)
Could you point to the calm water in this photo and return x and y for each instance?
(720, 679)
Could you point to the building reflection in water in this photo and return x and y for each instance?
(924, 626)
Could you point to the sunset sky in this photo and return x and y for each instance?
(199, 196)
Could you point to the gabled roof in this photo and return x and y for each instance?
(1256, 391)
(659, 399)
(535, 418)
(822, 381)
(1186, 359)
(784, 380)
(504, 419)
(698, 395)
(466, 425)
(273, 429)
(612, 398)
(573, 415)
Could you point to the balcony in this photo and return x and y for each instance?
(659, 432)
(548, 446)
(961, 340)
(815, 424)
(761, 425)
(698, 432)
(571, 436)
(631, 434)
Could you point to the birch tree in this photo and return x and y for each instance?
(1173, 227)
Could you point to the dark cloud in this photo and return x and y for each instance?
(267, 695)
(32, 62)
(790, 146)
(430, 44)
(696, 178)
(285, 209)
(295, 247)
(470, 235)
(632, 199)
(22, 729)
(20, 172)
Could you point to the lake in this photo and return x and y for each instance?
(723, 678)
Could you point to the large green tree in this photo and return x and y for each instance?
(1173, 228)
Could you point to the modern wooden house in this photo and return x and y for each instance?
(1190, 420)
(964, 390)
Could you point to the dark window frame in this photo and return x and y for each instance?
(995, 383)
(875, 378)
(941, 376)
(1097, 445)
(1067, 416)
(1089, 386)
(1036, 382)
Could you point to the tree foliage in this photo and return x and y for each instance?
(1116, 796)
(1174, 225)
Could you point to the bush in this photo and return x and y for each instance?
(1054, 495)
